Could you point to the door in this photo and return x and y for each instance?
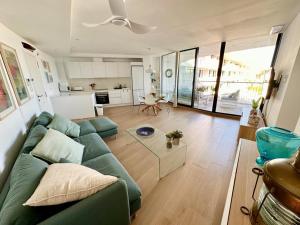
(187, 69)
(168, 76)
(137, 73)
(38, 86)
(137, 77)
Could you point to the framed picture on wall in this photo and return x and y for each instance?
(15, 74)
(46, 66)
(6, 99)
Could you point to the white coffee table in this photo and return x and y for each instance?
(169, 159)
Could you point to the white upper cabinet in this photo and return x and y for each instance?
(73, 70)
(124, 69)
(99, 70)
(86, 69)
(111, 69)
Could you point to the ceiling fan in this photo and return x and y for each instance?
(119, 17)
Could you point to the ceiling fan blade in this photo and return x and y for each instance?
(107, 21)
(139, 28)
(117, 8)
(90, 25)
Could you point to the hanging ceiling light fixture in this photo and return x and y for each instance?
(150, 70)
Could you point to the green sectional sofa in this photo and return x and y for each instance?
(112, 206)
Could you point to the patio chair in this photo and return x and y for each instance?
(234, 96)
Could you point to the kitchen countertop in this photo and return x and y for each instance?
(75, 93)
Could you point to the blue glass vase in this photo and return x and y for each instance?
(275, 142)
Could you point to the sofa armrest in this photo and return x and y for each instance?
(109, 206)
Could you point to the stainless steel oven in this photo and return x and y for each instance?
(102, 97)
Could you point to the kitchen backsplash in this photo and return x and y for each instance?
(108, 83)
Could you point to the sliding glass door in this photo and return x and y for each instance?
(245, 75)
(206, 76)
(223, 77)
(168, 76)
(187, 68)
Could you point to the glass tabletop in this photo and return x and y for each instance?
(156, 143)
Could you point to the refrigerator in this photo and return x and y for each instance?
(137, 74)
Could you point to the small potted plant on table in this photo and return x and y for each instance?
(169, 137)
(176, 135)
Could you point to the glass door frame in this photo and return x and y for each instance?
(162, 74)
(194, 75)
(219, 74)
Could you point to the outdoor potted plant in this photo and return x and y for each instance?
(253, 117)
(255, 104)
(176, 135)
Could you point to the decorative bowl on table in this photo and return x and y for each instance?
(275, 142)
(145, 131)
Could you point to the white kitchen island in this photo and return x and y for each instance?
(74, 105)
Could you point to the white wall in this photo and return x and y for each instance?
(147, 61)
(280, 109)
(13, 127)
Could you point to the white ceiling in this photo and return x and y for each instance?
(55, 25)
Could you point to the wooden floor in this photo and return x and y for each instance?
(193, 194)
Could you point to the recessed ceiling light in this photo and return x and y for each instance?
(276, 29)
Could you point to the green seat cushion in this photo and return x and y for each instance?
(108, 164)
(64, 126)
(25, 177)
(35, 135)
(94, 146)
(108, 133)
(55, 145)
(103, 124)
(86, 127)
(43, 119)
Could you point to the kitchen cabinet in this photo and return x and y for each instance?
(111, 69)
(98, 69)
(86, 69)
(73, 70)
(120, 96)
(124, 69)
(115, 97)
(126, 96)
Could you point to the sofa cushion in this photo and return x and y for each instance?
(108, 133)
(103, 124)
(65, 126)
(55, 145)
(43, 119)
(35, 135)
(109, 165)
(86, 127)
(25, 177)
(68, 182)
(94, 146)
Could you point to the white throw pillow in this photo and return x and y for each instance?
(55, 146)
(67, 182)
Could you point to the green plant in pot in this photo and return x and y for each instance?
(253, 117)
(169, 137)
(255, 104)
(177, 135)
